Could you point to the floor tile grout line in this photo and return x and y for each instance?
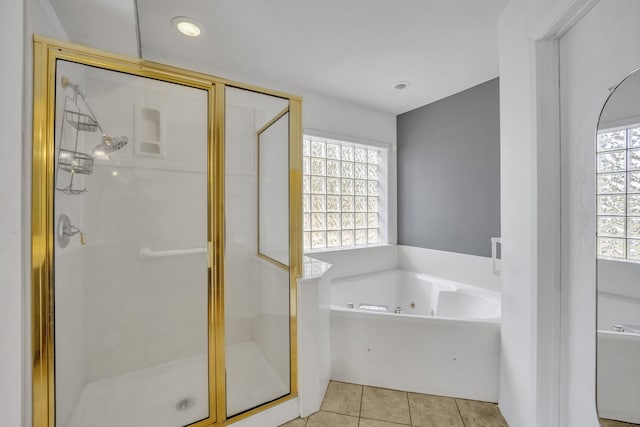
(378, 419)
(409, 409)
(388, 422)
(338, 413)
(361, 399)
(459, 412)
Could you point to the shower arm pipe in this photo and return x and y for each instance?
(146, 253)
(76, 89)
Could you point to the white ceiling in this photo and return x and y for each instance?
(350, 49)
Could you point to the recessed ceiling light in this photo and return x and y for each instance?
(401, 85)
(187, 26)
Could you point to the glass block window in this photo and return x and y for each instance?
(618, 193)
(341, 193)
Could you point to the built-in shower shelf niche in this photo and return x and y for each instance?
(149, 131)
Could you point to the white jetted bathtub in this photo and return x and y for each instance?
(409, 331)
(619, 357)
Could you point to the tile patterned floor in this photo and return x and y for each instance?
(351, 405)
(612, 423)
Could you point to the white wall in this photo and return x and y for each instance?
(342, 118)
(606, 42)
(530, 210)
(529, 103)
(13, 332)
(518, 182)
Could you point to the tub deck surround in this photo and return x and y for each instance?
(408, 293)
(313, 269)
(358, 260)
(462, 268)
(446, 341)
(314, 350)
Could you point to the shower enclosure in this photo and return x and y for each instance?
(165, 243)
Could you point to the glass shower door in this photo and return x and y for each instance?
(256, 271)
(132, 285)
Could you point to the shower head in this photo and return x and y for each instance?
(114, 143)
(109, 144)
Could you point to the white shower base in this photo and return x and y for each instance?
(148, 397)
(251, 380)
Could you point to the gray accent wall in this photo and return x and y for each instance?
(449, 172)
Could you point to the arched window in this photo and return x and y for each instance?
(618, 193)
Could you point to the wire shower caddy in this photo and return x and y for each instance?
(74, 161)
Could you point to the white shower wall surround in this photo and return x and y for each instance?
(135, 202)
(132, 212)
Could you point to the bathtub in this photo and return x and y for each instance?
(618, 358)
(409, 331)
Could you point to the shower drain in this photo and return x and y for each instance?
(184, 404)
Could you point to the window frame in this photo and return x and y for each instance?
(383, 190)
(626, 194)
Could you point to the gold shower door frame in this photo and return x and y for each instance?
(46, 53)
